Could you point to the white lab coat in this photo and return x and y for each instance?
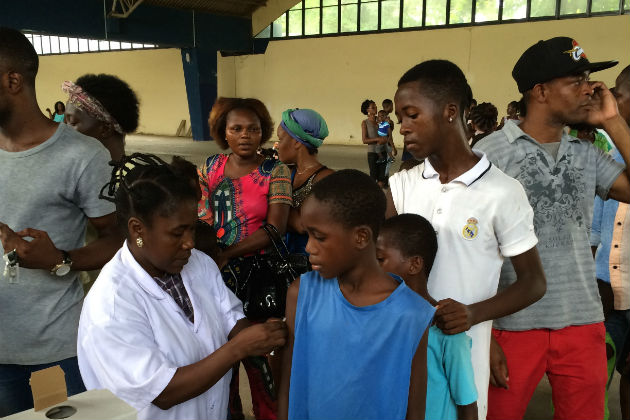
(133, 336)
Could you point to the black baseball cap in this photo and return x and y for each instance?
(556, 57)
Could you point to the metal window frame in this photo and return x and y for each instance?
(500, 19)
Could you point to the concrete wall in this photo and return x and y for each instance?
(156, 76)
(334, 75)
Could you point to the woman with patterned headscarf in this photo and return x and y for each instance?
(300, 134)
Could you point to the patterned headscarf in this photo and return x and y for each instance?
(305, 126)
(86, 102)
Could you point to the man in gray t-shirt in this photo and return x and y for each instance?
(562, 334)
(50, 179)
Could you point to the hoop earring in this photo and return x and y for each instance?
(139, 242)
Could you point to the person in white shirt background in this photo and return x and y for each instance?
(480, 215)
(159, 328)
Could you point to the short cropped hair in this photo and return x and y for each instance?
(365, 105)
(354, 199)
(116, 96)
(222, 107)
(387, 102)
(442, 81)
(412, 235)
(484, 116)
(17, 54)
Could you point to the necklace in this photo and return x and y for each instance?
(306, 169)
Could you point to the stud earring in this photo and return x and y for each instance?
(139, 242)
(450, 119)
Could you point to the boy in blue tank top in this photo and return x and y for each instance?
(406, 246)
(357, 343)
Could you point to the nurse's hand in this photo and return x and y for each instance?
(261, 339)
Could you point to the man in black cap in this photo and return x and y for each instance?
(562, 334)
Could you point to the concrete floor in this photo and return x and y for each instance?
(335, 157)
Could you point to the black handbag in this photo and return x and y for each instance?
(261, 281)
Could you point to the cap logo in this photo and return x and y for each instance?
(576, 53)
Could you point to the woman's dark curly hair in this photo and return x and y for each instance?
(365, 105)
(116, 96)
(222, 107)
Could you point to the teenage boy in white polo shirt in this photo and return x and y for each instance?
(480, 214)
(562, 335)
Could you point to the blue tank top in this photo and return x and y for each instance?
(353, 362)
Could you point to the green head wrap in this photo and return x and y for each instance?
(305, 126)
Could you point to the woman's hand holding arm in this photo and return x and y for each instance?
(193, 380)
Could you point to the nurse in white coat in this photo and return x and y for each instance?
(159, 328)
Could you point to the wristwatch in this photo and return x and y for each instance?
(63, 268)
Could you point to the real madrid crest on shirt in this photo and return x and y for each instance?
(470, 230)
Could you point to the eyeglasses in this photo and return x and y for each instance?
(237, 129)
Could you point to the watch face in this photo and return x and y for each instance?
(63, 270)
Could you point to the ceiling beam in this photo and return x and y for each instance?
(123, 8)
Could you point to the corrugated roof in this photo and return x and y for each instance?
(242, 8)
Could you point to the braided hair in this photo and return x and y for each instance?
(484, 116)
(143, 185)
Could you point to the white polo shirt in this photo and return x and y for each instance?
(479, 218)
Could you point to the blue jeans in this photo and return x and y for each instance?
(618, 326)
(15, 391)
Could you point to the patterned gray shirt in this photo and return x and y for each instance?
(561, 191)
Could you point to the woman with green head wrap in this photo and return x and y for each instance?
(300, 134)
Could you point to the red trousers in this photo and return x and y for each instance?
(574, 359)
(262, 387)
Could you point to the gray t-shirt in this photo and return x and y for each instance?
(52, 187)
(561, 191)
(372, 132)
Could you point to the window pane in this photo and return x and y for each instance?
(487, 10)
(83, 45)
(103, 45)
(571, 7)
(114, 45)
(54, 45)
(45, 44)
(349, 17)
(412, 13)
(63, 45)
(330, 2)
(297, 6)
(390, 14)
(265, 33)
(125, 45)
(37, 43)
(295, 23)
(280, 27)
(311, 3)
(349, 2)
(311, 24)
(461, 11)
(329, 20)
(605, 5)
(436, 12)
(626, 5)
(543, 8)
(134, 45)
(369, 16)
(514, 9)
(73, 45)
